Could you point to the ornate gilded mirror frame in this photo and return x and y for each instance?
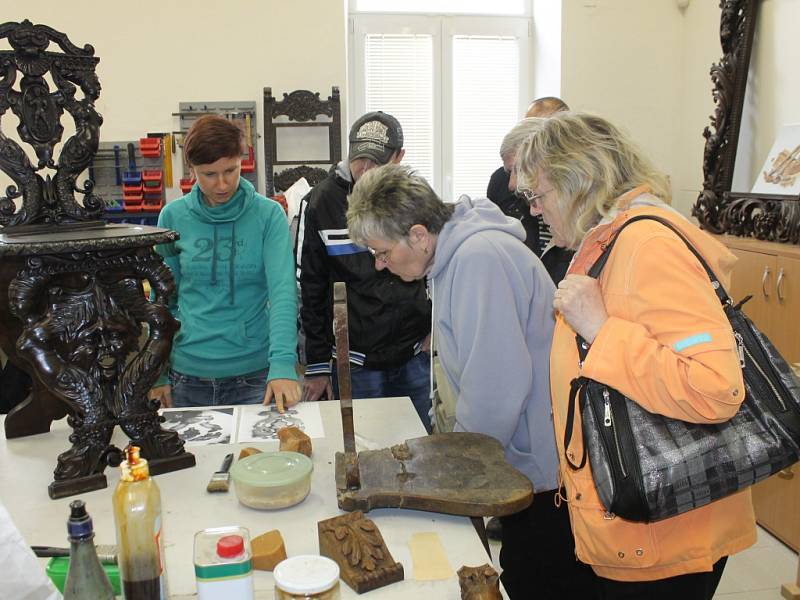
(719, 210)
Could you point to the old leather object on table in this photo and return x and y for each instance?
(454, 473)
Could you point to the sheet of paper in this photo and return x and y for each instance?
(428, 557)
(205, 425)
(781, 171)
(261, 423)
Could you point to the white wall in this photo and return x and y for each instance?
(622, 59)
(646, 66)
(642, 63)
(157, 53)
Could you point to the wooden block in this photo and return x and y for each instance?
(356, 545)
(294, 439)
(479, 583)
(790, 591)
(249, 451)
(268, 550)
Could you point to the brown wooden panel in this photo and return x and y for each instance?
(786, 332)
(755, 274)
(777, 505)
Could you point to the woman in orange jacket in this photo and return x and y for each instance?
(658, 335)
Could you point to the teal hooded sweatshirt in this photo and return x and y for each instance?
(236, 292)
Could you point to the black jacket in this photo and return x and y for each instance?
(388, 318)
(512, 206)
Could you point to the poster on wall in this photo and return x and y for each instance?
(781, 171)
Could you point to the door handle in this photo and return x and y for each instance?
(786, 473)
(764, 278)
(779, 285)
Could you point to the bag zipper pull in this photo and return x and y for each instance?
(739, 348)
(607, 409)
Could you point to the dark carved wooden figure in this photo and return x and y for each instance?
(75, 308)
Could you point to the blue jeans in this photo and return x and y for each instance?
(413, 379)
(188, 390)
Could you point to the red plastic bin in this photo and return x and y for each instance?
(150, 147)
(152, 177)
(186, 185)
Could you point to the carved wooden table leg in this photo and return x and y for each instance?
(35, 414)
(82, 315)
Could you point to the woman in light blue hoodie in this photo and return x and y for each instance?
(234, 272)
(493, 326)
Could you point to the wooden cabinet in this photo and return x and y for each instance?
(770, 272)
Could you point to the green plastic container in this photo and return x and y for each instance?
(57, 572)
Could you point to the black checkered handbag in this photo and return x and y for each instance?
(648, 467)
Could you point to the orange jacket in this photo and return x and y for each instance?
(668, 345)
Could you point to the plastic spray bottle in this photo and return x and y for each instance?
(137, 513)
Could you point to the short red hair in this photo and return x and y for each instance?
(210, 138)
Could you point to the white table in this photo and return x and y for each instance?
(26, 466)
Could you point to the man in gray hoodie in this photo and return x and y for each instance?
(492, 326)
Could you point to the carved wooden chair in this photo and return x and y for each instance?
(302, 108)
(73, 308)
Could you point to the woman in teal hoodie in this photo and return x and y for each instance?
(234, 272)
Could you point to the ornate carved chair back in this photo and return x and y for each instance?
(303, 109)
(47, 187)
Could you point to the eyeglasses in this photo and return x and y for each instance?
(531, 197)
(383, 256)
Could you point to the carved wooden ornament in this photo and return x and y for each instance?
(357, 546)
(479, 583)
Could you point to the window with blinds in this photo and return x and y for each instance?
(480, 7)
(485, 107)
(398, 80)
(457, 84)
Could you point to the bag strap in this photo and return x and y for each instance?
(597, 267)
(574, 387)
(583, 346)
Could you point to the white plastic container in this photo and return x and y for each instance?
(307, 577)
(223, 564)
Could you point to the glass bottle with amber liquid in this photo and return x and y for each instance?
(137, 513)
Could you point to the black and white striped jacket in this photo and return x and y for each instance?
(388, 318)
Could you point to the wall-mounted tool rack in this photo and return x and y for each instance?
(129, 176)
(242, 113)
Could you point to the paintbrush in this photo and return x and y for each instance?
(221, 480)
(105, 552)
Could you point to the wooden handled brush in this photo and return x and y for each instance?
(221, 480)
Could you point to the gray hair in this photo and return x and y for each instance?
(388, 200)
(518, 134)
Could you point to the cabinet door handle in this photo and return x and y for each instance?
(786, 473)
(764, 278)
(779, 285)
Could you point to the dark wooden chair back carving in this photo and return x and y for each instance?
(48, 200)
(302, 107)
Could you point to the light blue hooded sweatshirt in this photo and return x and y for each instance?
(493, 319)
(236, 299)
